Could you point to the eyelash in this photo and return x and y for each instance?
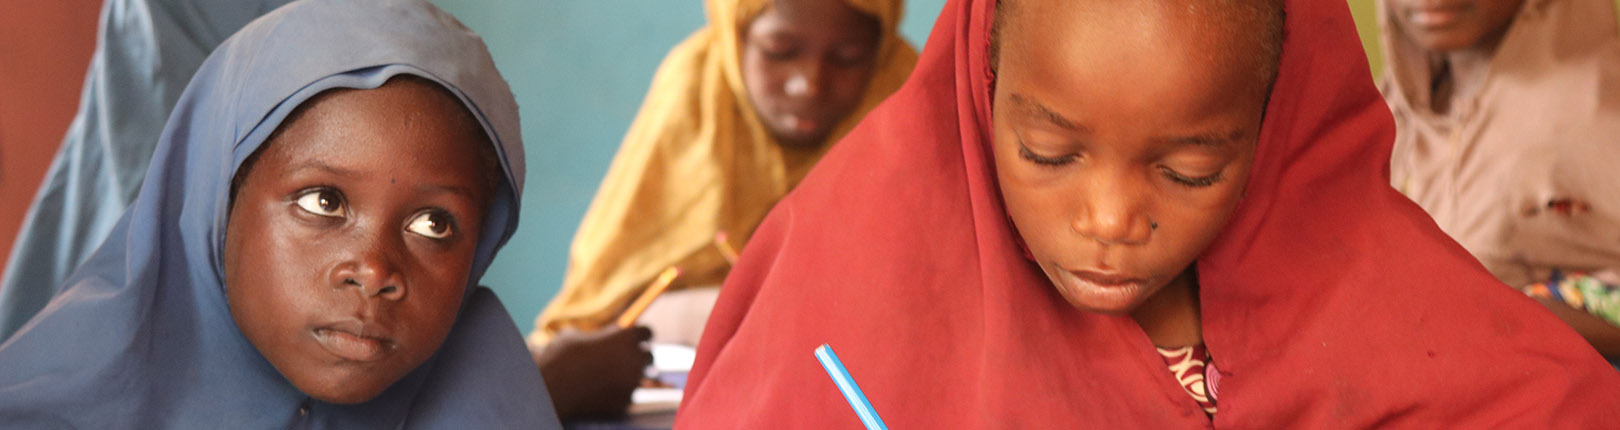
(1052, 162)
(1199, 182)
(839, 58)
(779, 54)
(1023, 151)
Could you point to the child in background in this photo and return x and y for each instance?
(304, 250)
(1148, 214)
(736, 115)
(1506, 116)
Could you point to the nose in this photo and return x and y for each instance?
(1112, 212)
(804, 81)
(372, 270)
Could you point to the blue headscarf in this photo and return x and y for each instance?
(142, 336)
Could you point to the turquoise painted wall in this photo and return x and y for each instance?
(579, 69)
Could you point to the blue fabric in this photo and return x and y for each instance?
(145, 52)
(142, 336)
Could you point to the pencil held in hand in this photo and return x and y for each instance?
(665, 278)
(725, 248)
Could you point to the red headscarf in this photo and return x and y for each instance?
(1330, 301)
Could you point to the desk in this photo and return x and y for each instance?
(663, 420)
(651, 408)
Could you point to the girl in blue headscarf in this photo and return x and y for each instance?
(304, 250)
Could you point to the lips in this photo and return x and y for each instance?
(1437, 16)
(1106, 280)
(800, 123)
(354, 340)
(1104, 292)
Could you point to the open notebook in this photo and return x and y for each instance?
(671, 362)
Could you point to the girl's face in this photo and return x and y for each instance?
(1123, 137)
(806, 64)
(1450, 25)
(351, 238)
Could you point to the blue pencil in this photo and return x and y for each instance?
(846, 384)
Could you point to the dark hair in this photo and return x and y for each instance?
(489, 163)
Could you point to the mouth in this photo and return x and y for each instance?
(800, 123)
(354, 340)
(1102, 291)
(1437, 16)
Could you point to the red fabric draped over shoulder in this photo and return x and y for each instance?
(1330, 301)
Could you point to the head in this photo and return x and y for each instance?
(352, 233)
(1451, 25)
(1123, 134)
(806, 65)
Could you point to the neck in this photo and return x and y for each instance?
(1458, 75)
(1171, 316)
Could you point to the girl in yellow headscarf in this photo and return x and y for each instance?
(736, 116)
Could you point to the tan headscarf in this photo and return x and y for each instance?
(696, 162)
(1525, 171)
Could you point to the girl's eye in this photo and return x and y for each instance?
(777, 54)
(852, 57)
(322, 201)
(1194, 182)
(1023, 151)
(433, 224)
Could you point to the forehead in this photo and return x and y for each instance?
(1165, 58)
(829, 17)
(410, 126)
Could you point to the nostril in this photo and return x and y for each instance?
(350, 281)
(388, 290)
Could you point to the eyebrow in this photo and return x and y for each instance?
(316, 164)
(1046, 113)
(445, 189)
(434, 188)
(1206, 139)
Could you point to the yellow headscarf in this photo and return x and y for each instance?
(695, 162)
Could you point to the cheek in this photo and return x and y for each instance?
(1190, 223)
(439, 283)
(1037, 219)
(760, 76)
(849, 87)
(266, 286)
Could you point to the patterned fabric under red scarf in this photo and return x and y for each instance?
(1188, 364)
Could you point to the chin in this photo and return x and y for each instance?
(1445, 42)
(344, 392)
(347, 397)
(800, 141)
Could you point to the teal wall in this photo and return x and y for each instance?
(579, 69)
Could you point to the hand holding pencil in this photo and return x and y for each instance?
(632, 313)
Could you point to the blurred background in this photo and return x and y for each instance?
(579, 68)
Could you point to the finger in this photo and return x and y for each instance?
(642, 333)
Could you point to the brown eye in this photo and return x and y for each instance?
(777, 54)
(852, 56)
(323, 202)
(433, 224)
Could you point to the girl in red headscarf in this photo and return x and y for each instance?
(1131, 215)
